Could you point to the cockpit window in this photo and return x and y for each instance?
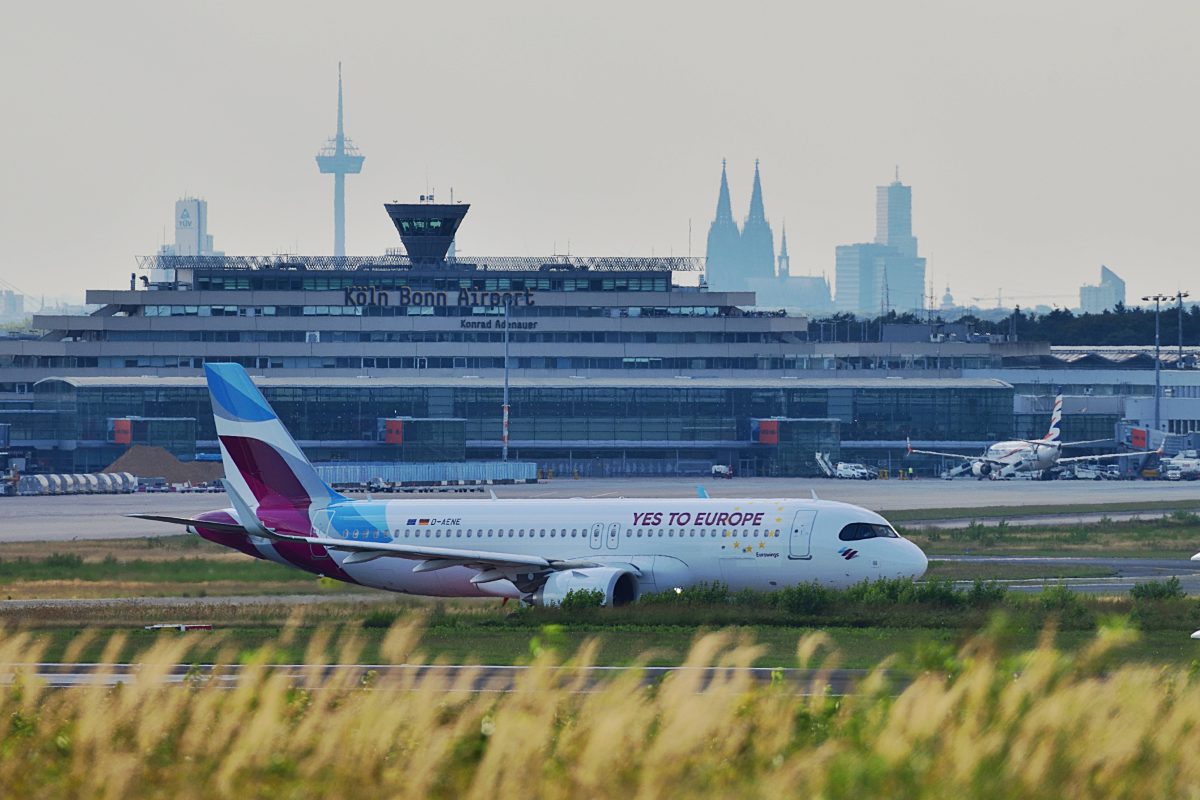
(857, 531)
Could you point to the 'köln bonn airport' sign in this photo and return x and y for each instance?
(403, 296)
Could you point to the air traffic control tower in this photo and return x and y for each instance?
(339, 157)
(427, 229)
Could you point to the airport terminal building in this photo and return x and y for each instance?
(616, 366)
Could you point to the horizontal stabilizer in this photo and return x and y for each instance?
(224, 527)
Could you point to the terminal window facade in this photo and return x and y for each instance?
(554, 414)
(647, 425)
(638, 282)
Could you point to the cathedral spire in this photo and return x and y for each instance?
(724, 207)
(785, 261)
(757, 241)
(756, 201)
(722, 258)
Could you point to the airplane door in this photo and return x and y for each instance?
(597, 535)
(322, 526)
(614, 535)
(800, 538)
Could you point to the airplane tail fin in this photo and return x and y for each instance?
(1055, 432)
(261, 459)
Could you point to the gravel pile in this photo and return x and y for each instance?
(155, 462)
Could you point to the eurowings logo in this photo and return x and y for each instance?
(848, 553)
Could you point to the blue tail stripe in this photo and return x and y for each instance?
(236, 394)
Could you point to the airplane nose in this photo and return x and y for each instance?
(914, 560)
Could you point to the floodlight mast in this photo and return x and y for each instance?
(1158, 299)
(1179, 295)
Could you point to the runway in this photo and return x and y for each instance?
(1129, 572)
(1037, 520)
(471, 678)
(68, 517)
(192, 603)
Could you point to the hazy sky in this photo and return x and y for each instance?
(1041, 138)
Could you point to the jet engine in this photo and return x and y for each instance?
(1044, 454)
(981, 469)
(620, 586)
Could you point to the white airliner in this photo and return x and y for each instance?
(533, 550)
(1005, 459)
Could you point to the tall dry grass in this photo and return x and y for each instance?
(1042, 725)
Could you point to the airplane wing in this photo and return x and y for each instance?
(1108, 456)
(492, 565)
(224, 527)
(1089, 442)
(912, 450)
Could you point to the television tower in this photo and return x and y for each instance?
(340, 158)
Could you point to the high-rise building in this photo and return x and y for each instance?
(893, 217)
(887, 274)
(12, 305)
(1099, 298)
(191, 230)
(859, 277)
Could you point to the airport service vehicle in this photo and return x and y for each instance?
(533, 550)
(853, 471)
(1040, 456)
(722, 471)
(1089, 472)
(1185, 464)
(844, 469)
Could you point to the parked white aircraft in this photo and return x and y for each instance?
(1005, 459)
(534, 550)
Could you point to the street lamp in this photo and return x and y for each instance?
(1158, 299)
(1179, 299)
(504, 405)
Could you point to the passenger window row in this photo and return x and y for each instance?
(438, 533)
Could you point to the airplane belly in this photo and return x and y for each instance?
(751, 572)
(396, 575)
(665, 574)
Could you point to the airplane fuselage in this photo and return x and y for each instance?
(1019, 456)
(667, 543)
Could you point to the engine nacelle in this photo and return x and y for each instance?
(620, 586)
(981, 469)
(1045, 454)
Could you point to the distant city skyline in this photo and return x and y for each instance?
(1043, 140)
(874, 278)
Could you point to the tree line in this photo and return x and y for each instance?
(1121, 325)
